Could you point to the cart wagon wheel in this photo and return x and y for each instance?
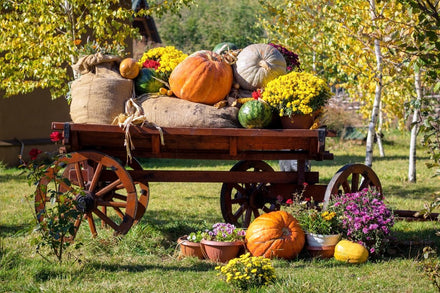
(242, 202)
(103, 183)
(143, 189)
(351, 178)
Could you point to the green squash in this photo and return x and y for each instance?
(145, 83)
(255, 114)
(222, 47)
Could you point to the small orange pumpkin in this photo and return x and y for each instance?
(202, 77)
(275, 234)
(129, 68)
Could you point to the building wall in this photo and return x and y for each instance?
(27, 119)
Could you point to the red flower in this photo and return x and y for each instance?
(33, 153)
(56, 136)
(151, 64)
(256, 94)
(305, 184)
(289, 201)
(307, 199)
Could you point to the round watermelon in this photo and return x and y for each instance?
(145, 83)
(222, 47)
(255, 114)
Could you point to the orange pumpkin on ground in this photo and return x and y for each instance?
(275, 234)
(202, 77)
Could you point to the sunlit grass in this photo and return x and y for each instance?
(146, 259)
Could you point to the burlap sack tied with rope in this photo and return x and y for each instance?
(166, 111)
(99, 94)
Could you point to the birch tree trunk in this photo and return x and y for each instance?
(378, 93)
(412, 174)
(379, 132)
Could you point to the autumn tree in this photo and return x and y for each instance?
(425, 46)
(39, 40)
(348, 43)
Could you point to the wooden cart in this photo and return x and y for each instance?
(117, 192)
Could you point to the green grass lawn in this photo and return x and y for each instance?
(146, 259)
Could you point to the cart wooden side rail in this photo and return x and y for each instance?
(117, 192)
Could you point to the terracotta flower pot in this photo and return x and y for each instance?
(190, 249)
(298, 121)
(221, 251)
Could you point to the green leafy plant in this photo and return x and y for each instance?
(320, 222)
(92, 47)
(195, 236)
(431, 266)
(310, 215)
(247, 271)
(55, 222)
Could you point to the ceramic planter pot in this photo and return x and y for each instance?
(322, 246)
(218, 251)
(190, 249)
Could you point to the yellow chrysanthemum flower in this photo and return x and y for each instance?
(246, 271)
(168, 57)
(296, 93)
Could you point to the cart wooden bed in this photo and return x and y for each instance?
(116, 192)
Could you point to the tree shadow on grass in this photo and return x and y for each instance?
(196, 266)
(171, 226)
(47, 273)
(13, 230)
(407, 242)
(405, 192)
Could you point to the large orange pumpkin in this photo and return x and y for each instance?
(275, 234)
(202, 77)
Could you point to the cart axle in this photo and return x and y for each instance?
(85, 203)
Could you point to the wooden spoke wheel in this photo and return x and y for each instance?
(243, 202)
(351, 178)
(142, 189)
(103, 190)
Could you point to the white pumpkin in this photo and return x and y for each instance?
(257, 64)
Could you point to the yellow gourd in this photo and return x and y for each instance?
(351, 252)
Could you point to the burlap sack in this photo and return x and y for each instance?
(167, 111)
(98, 96)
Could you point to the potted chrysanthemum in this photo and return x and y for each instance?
(323, 228)
(323, 231)
(297, 96)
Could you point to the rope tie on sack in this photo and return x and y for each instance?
(133, 116)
